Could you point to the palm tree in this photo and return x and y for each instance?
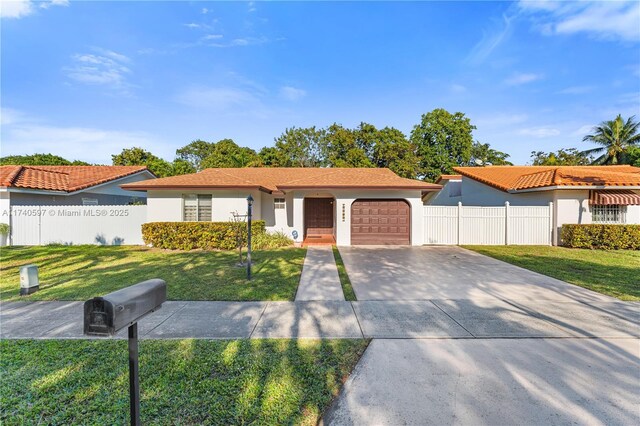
(615, 137)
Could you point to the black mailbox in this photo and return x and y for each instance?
(105, 316)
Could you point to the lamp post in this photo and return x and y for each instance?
(249, 211)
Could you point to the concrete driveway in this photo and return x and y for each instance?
(492, 382)
(426, 273)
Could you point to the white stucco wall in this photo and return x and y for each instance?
(5, 203)
(168, 206)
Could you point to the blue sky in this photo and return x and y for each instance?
(86, 79)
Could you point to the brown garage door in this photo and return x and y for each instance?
(380, 222)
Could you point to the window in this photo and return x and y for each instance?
(89, 201)
(278, 203)
(455, 188)
(197, 208)
(611, 213)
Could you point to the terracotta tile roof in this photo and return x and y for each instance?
(62, 178)
(514, 178)
(280, 178)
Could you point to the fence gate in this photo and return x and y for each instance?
(476, 225)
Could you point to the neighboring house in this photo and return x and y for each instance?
(580, 194)
(345, 205)
(69, 185)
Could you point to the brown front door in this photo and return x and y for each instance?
(318, 216)
(380, 222)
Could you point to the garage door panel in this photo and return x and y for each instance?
(380, 222)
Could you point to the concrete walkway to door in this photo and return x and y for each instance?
(319, 279)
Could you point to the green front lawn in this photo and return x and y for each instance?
(347, 288)
(615, 273)
(181, 381)
(82, 272)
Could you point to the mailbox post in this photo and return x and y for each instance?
(249, 212)
(105, 316)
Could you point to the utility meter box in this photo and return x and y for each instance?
(29, 280)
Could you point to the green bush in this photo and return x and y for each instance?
(268, 240)
(198, 235)
(4, 229)
(601, 236)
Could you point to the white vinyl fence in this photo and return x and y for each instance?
(517, 225)
(72, 225)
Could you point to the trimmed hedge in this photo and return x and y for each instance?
(601, 236)
(198, 235)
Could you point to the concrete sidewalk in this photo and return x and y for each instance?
(319, 279)
(423, 319)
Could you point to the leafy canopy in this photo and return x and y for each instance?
(39, 160)
(615, 137)
(563, 157)
(443, 141)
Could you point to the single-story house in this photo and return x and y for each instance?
(69, 185)
(347, 205)
(580, 194)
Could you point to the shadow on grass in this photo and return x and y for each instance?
(81, 272)
(182, 381)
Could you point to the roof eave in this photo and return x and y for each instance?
(432, 187)
(134, 187)
(574, 187)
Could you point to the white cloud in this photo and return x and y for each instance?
(105, 67)
(212, 37)
(540, 132)
(204, 11)
(217, 98)
(251, 7)
(458, 88)
(192, 25)
(522, 78)
(291, 93)
(243, 41)
(10, 116)
(23, 135)
(491, 40)
(583, 130)
(576, 90)
(612, 20)
(15, 9)
(48, 4)
(501, 120)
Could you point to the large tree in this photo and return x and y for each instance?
(388, 148)
(632, 156)
(269, 156)
(340, 148)
(140, 157)
(40, 160)
(563, 157)
(227, 153)
(615, 137)
(195, 152)
(300, 147)
(443, 141)
(483, 155)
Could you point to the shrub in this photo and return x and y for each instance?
(196, 235)
(4, 229)
(268, 240)
(601, 236)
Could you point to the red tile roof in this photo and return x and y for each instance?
(62, 178)
(514, 178)
(280, 178)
